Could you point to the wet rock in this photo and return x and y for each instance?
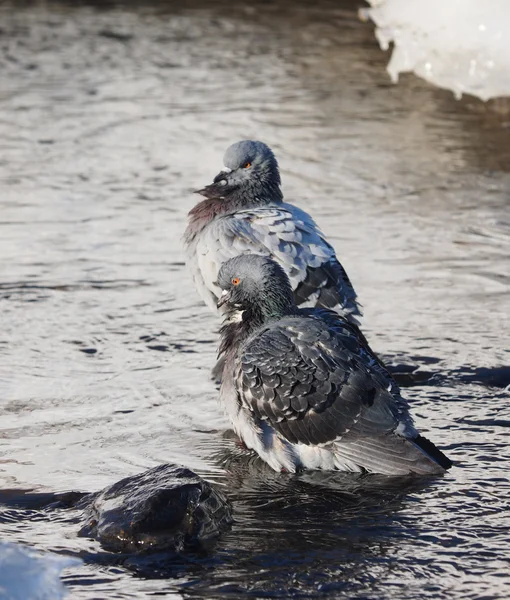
(168, 508)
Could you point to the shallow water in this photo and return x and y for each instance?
(110, 115)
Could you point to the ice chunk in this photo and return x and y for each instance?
(26, 574)
(461, 45)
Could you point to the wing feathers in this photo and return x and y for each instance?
(298, 376)
(318, 386)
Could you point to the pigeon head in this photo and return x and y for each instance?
(250, 177)
(255, 284)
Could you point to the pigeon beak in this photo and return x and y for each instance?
(212, 191)
(223, 299)
(222, 175)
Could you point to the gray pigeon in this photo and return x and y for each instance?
(244, 213)
(302, 387)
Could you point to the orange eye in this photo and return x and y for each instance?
(247, 165)
(236, 281)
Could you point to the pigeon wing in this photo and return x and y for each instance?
(289, 236)
(313, 385)
(342, 326)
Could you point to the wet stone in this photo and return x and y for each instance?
(165, 509)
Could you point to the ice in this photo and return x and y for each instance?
(461, 45)
(26, 574)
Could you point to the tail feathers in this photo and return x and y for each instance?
(428, 448)
(391, 455)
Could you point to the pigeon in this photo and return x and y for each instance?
(243, 212)
(302, 387)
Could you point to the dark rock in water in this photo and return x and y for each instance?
(167, 508)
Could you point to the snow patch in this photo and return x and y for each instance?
(461, 45)
(26, 574)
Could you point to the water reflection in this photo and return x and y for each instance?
(318, 523)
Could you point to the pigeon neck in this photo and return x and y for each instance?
(201, 215)
(272, 308)
(234, 331)
(253, 196)
(240, 324)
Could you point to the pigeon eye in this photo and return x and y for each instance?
(247, 165)
(236, 281)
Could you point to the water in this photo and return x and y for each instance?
(110, 115)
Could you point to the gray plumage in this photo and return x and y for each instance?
(244, 213)
(302, 387)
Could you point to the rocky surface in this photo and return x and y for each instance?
(167, 508)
